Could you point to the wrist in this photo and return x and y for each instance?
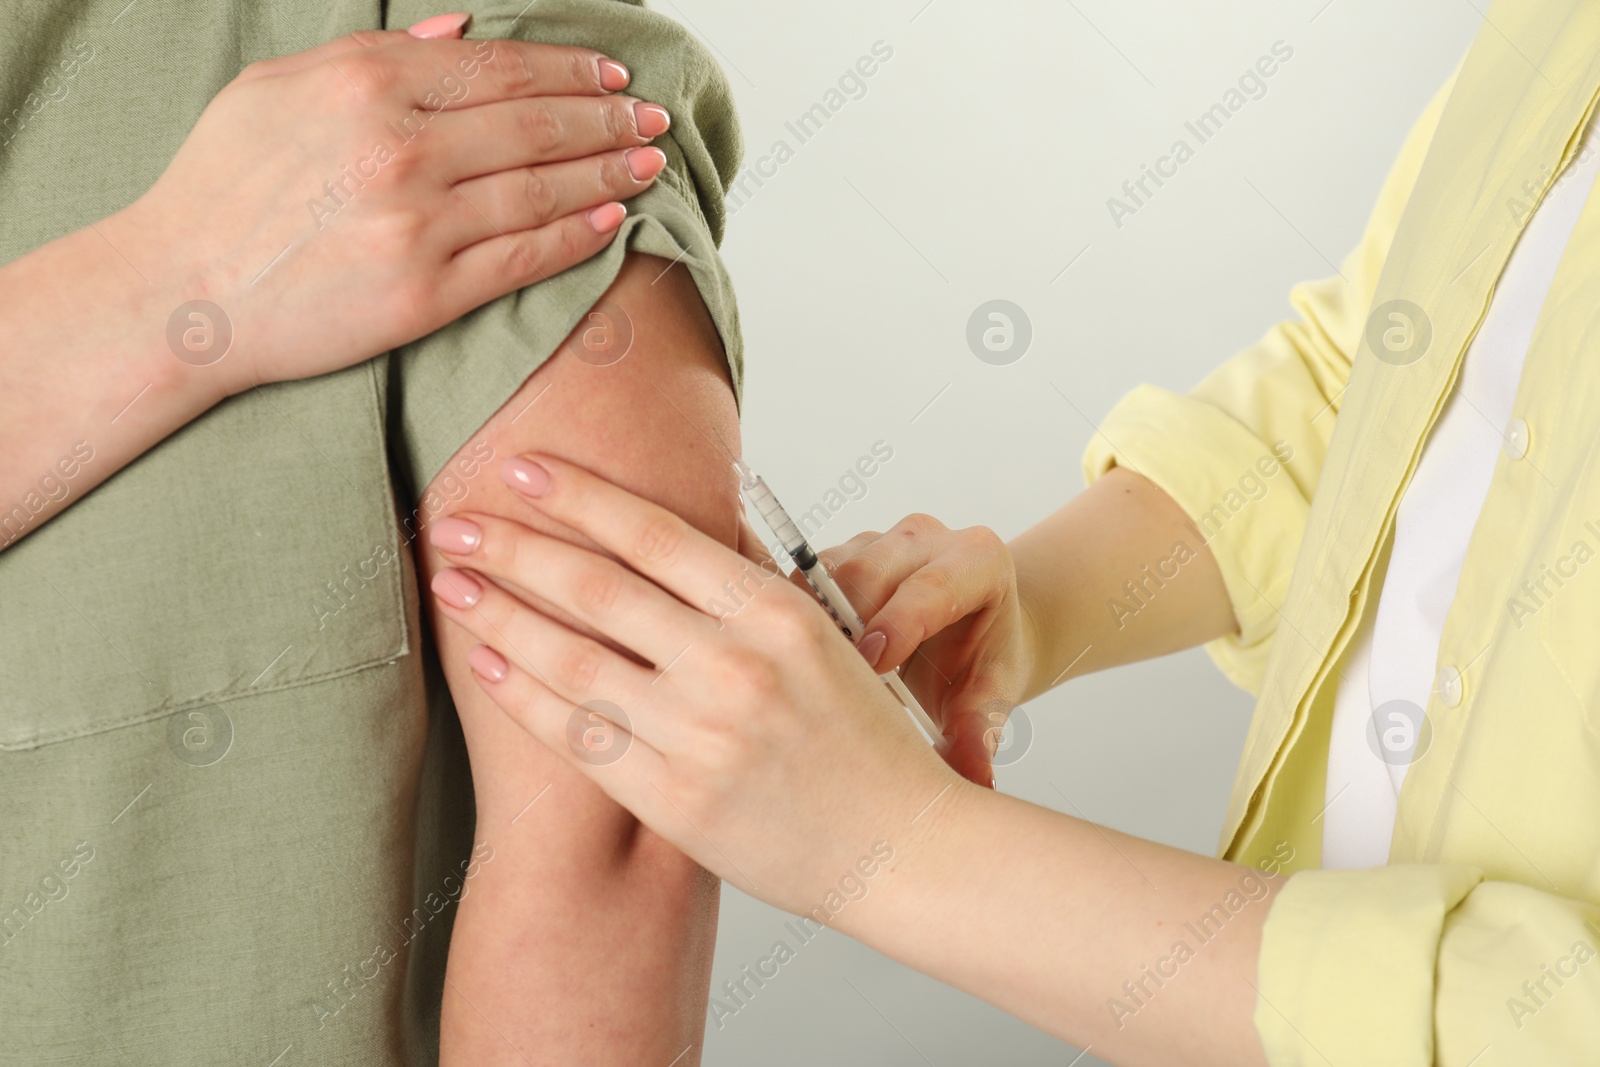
(1037, 625)
(186, 341)
(913, 848)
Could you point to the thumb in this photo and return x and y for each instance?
(973, 722)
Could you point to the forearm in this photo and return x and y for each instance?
(87, 383)
(1118, 574)
(1144, 952)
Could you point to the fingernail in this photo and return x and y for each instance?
(439, 26)
(456, 588)
(644, 163)
(487, 663)
(607, 217)
(613, 75)
(457, 536)
(652, 120)
(872, 646)
(525, 476)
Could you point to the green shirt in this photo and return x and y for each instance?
(235, 811)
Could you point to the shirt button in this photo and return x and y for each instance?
(1517, 438)
(1449, 686)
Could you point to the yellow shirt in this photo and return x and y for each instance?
(1479, 943)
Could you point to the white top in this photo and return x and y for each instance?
(1390, 671)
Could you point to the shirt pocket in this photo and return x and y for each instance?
(256, 549)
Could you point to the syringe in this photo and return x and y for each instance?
(828, 592)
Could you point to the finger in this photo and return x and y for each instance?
(453, 75)
(545, 129)
(573, 666)
(588, 737)
(833, 558)
(943, 587)
(644, 536)
(593, 589)
(530, 197)
(506, 262)
(632, 773)
(849, 550)
(873, 569)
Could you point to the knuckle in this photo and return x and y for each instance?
(617, 122)
(934, 592)
(865, 571)
(597, 593)
(397, 232)
(983, 540)
(580, 667)
(514, 76)
(365, 38)
(400, 168)
(750, 677)
(933, 579)
(539, 194)
(792, 624)
(521, 261)
(371, 77)
(615, 176)
(660, 538)
(541, 127)
(569, 245)
(580, 68)
(525, 71)
(919, 525)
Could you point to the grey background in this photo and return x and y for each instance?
(977, 166)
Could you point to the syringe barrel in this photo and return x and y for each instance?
(781, 524)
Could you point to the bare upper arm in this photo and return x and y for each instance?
(660, 421)
(587, 937)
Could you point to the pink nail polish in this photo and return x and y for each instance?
(456, 588)
(652, 120)
(872, 646)
(439, 26)
(644, 163)
(456, 536)
(613, 75)
(525, 476)
(607, 217)
(487, 663)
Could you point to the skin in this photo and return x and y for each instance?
(1028, 615)
(793, 801)
(519, 177)
(588, 938)
(496, 195)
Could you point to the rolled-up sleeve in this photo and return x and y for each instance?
(446, 385)
(1276, 400)
(1427, 966)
